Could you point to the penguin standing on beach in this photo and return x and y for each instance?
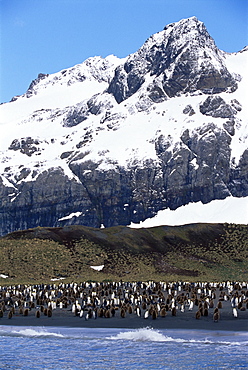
(216, 316)
(146, 314)
(235, 312)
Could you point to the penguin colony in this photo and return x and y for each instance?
(91, 300)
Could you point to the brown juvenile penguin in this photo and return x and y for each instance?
(154, 314)
(198, 315)
(174, 311)
(163, 312)
(123, 313)
(216, 316)
(10, 314)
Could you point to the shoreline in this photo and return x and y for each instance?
(131, 321)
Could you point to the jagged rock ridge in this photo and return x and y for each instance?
(182, 58)
(112, 141)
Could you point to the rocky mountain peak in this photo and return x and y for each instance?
(188, 29)
(182, 58)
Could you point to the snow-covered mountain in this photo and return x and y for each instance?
(113, 141)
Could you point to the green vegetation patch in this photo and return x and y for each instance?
(201, 252)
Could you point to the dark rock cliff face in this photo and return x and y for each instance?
(198, 169)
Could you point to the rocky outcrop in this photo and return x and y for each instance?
(239, 177)
(31, 89)
(189, 110)
(215, 106)
(26, 145)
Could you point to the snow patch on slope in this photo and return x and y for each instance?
(74, 214)
(97, 268)
(230, 210)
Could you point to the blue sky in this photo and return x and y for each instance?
(45, 36)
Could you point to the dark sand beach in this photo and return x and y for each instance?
(184, 320)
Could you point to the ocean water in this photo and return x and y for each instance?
(144, 348)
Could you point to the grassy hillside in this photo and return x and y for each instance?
(204, 252)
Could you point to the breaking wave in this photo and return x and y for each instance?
(151, 335)
(28, 332)
(143, 334)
